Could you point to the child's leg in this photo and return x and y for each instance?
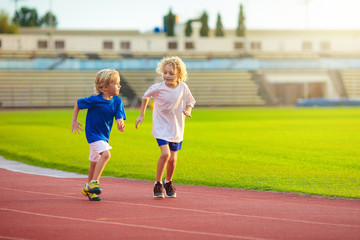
(163, 159)
(171, 165)
(100, 165)
(91, 171)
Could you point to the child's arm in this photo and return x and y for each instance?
(75, 125)
(187, 111)
(140, 119)
(120, 124)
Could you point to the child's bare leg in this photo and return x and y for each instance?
(91, 171)
(163, 159)
(171, 165)
(99, 168)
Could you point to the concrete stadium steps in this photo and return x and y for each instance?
(45, 88)
(216, 88)
(351, 80)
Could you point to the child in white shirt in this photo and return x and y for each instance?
(173, 101)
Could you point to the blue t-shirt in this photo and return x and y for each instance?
(100, 116)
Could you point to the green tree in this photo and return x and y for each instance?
(188, 28)
(240, 31)
(45, 20)
(219, 27)
(26, 17)
(5, 25)
(170, 24)
(204, 30)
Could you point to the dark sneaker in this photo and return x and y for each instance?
(93, 187)
(158, 190)
(169, 189)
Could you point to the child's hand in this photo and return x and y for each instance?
(187, 111)
(75, 126)
(139, 120)
(120, 125)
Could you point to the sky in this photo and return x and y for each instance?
(145, 15)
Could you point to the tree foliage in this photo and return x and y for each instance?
(28, 17)
(219, 27)
(46, 21)
(5, 25)
(170, 24)
(188, 28)
(240, 31)
(204, 30)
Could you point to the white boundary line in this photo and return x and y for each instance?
(13, 238)
(199, 211)
(25, 168)
(134, 225)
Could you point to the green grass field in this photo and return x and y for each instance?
(313, 151)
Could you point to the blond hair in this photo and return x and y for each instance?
(178, 65)
(104, 77)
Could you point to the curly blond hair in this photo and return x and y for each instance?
(104, 77)
(177, 63)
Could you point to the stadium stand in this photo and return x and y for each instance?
(210, 88)
(60, 88)
(351, 80)
(284, 55)
(10, 54)
(109, 55)
(44, 88)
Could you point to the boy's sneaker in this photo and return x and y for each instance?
(93, 187)
(158, 190)
(169, 189)
(91, 196)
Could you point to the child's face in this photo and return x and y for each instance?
(170, 74)
(113, 89)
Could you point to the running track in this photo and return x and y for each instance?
(43, 207)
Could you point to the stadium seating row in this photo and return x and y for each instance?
(351, 80)
(54, 88)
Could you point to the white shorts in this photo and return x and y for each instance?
(96, 148)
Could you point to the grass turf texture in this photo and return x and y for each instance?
(304, 150)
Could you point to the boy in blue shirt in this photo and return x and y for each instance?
(102, 109)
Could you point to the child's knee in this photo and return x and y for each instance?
(165, 156)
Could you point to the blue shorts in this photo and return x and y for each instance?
(172, 145)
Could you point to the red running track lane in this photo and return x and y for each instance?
(40, 207)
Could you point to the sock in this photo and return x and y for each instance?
(157, 182)
(93, 181)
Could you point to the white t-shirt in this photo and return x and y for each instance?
(168, 119)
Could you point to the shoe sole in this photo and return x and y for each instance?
(171, 196)
(159, 196)
(94, 199)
